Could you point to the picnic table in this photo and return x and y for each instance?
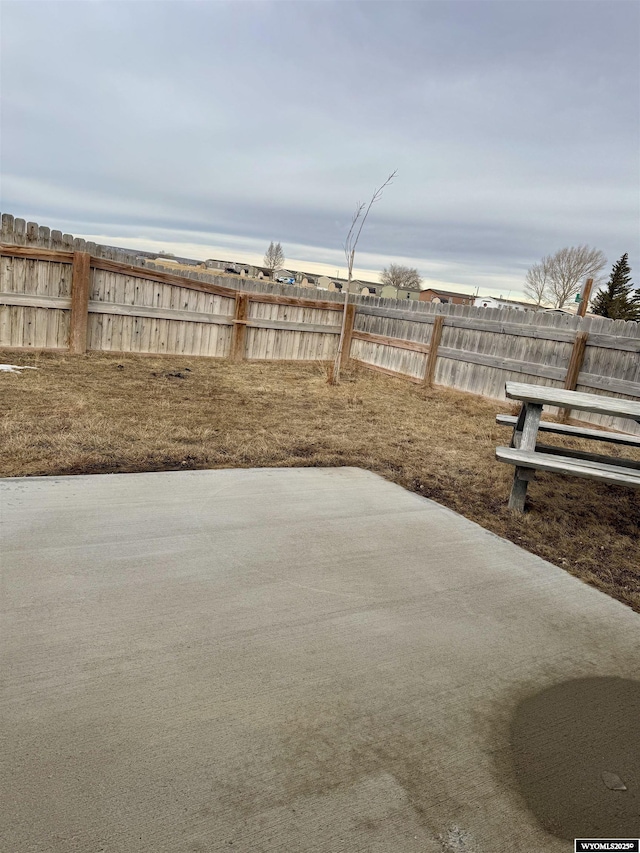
(528, 455)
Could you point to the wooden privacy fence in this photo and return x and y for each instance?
(77, 302)
(57, 292)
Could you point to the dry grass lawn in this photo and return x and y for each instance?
(111, 413)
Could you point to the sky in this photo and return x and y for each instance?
(208, 129)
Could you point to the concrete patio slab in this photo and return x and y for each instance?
(298, 660)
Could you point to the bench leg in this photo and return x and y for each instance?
(518, 494)
(526, 429)
(516, 438)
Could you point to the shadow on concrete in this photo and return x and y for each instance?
(576, 752)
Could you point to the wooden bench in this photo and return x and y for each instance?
(565, 460)
(576, 432)
(528, 461)
(527, 455)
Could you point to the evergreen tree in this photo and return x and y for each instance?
(618, 300)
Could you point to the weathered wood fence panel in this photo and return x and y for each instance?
(483, 359)
(34, 309)
(481, 349)
(611, 366)
(287, 332)
(134, 314)
(137, 306)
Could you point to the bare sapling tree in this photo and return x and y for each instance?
(274, 257)
(350, 244)
(565, 270)
(402, 278)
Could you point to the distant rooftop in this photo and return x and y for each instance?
(509, 301)
(450, 292)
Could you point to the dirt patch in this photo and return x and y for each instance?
(576, 753)
(104, 413)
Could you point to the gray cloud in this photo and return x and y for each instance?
(515, 126)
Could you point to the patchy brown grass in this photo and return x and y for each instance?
(109, 413)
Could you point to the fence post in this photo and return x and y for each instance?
(574, 368)
(586, 293)
(79, 321)
(434, 343)
(348, 331)
(239, 332)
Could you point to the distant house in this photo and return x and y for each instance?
(357, 285)
(430, 294)
(305, 279)
(332, 284)
(387, 292)
(254, 271)
(365, 288)
(340, 284)
(499, 302)
(231, 267)
(284, 277)
(262, 272)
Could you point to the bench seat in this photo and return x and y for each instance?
(590, 469)
(576, 432)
